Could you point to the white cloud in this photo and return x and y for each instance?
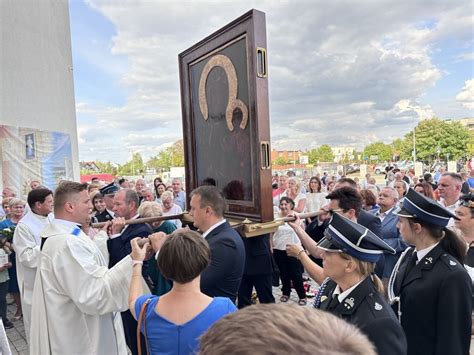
(339, 72)
(466, 96)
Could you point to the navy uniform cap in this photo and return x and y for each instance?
(343, 235)
(109, 189)
(416, 205)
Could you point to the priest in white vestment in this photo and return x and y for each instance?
(26, 242)
(76, 298)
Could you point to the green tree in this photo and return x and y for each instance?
(451, 138)
(171, 156)
(280, 161)
(398, 148)
(470, 144)
(133, 167)
(107, 167)
(321, 154)
(381, 150)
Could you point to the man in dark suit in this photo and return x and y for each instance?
(258, 271)
(126, 204)
(222, 277)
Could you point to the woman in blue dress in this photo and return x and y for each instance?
(176, 320)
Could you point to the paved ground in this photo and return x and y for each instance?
(16, 335)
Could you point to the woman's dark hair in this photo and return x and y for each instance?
(96, 196)
(427, 189)
(183, 256)
(157, 179)
(369, 197)
(448, 239)
(318, 180)
(156, 188)
(288, 201)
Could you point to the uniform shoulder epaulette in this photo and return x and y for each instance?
(375, 304)
(450, 261)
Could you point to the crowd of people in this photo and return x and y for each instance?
(394, 259)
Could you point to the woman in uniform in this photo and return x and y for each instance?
(429, 286)
(349, 287)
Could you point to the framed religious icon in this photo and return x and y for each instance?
(224, 98)
(30, 146)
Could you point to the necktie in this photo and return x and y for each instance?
(411, 262)
(334, 303)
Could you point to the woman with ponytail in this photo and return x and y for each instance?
(429, 286)
(349, 288)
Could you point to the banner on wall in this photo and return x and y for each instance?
(29, 154)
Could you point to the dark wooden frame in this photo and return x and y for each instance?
(252, 26)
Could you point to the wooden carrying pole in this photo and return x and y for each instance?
(142, 220)
(252, 229)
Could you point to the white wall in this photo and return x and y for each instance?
(36, 80)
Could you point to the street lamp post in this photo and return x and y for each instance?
(414, 144)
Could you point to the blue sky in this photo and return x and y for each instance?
(368, 71)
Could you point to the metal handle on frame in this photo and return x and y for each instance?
(265, 154)
(261, 62)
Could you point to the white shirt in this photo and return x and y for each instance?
(343, 295)
(284, 235)
(450, 208)
(423, 252)
(382, 215)
(214, 226)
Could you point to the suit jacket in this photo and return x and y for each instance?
(120, 246)
(365, 219)
(370, 312)
(258, 255)
(370, 221)
(222, 277)
(435, 304)
(389, 231)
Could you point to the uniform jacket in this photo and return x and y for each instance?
(76, 296)
(435, 304)
(223, 275)
(105, 216)
(368, 310)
